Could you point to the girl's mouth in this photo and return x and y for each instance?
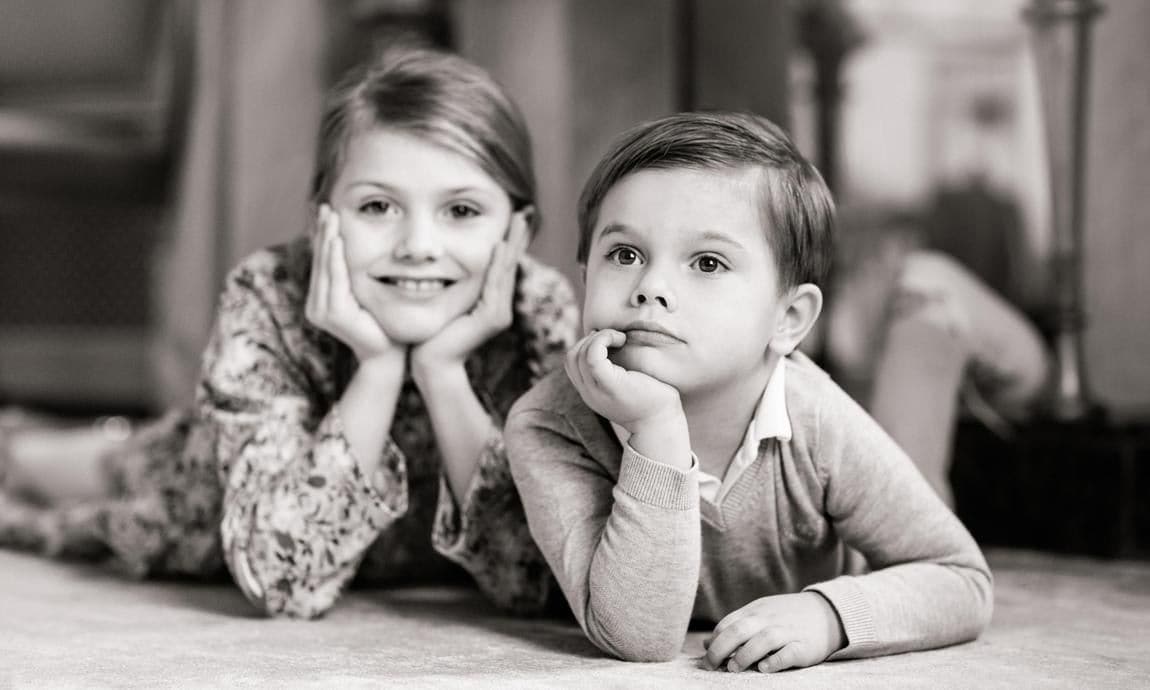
(418, 285)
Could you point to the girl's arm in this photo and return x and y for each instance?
(480, 522)
(301, 501)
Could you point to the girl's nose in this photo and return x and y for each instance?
(420, 241)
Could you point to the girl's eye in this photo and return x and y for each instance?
(375, 207)
(461, 211)
(624, 256)
(709, 264)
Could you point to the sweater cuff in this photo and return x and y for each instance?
(657, 483)
(853, 610)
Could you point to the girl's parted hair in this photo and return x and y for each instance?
(439, 97)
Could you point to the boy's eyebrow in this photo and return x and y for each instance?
(706, 235)
(716, 236)
(612, 228)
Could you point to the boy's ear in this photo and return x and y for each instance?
(800, 309)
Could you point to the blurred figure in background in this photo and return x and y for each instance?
(918, 338)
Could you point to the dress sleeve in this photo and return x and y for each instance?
(486, 531)
(298, 513)
(930, 585)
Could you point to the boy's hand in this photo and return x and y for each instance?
(643, 405)
(491, 314)
(776, 633)
(331, 305)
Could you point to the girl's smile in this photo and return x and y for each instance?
(419, 223)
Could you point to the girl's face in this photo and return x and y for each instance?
(419, 224)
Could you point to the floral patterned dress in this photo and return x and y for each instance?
(259, 475)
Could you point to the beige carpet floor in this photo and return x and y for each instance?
(1059, 622)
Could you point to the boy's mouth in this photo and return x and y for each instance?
(649, 333)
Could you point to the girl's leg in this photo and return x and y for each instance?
(59, 466)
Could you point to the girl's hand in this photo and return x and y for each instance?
(491, 314)
(650, 409)
(331, 305)
(776, 633)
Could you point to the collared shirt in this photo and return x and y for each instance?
(769, 421)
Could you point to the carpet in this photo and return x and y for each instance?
(1059, 622)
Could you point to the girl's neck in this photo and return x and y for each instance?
(717, 417)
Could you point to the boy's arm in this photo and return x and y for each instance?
(930, 584)
(625, 553)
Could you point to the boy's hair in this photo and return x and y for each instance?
(797, 207)
(438, 97)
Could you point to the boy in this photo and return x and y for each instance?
(689, 464)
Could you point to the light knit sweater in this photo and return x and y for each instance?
(639, 555)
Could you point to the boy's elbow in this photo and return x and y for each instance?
(633, 643)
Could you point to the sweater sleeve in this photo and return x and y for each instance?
(625, 553)
(929, 585)
(298, 513)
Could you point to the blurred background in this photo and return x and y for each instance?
(147, 145)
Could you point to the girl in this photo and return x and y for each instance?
(353, 389)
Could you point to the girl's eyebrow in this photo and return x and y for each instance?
(397, 190)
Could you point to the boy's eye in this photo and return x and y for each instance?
(709, 264)
(461, 211)
(624, 256)
(375, 207)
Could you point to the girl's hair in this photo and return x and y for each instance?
(798, 211)
(440, 98)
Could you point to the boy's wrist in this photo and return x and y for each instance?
(663, 437)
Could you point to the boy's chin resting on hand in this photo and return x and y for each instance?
(776, 633)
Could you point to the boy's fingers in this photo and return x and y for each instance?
(756, 649)
(724, 644)
(788, 657)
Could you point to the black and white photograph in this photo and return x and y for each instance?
(574, 343)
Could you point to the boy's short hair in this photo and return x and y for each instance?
(796, 204)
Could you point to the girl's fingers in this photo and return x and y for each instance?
(340, 282)
(322, 264)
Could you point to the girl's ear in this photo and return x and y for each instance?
(801, 306)
(320, 211)
(529, 218)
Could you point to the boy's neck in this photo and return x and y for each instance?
(718, 417)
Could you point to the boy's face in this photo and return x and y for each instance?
(680, 263)
(419, 224)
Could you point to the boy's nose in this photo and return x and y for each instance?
(420, 241)
(649, 293)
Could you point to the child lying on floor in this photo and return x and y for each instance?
(690, 464)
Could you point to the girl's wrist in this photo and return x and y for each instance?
(446, 378)
(386, 366)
